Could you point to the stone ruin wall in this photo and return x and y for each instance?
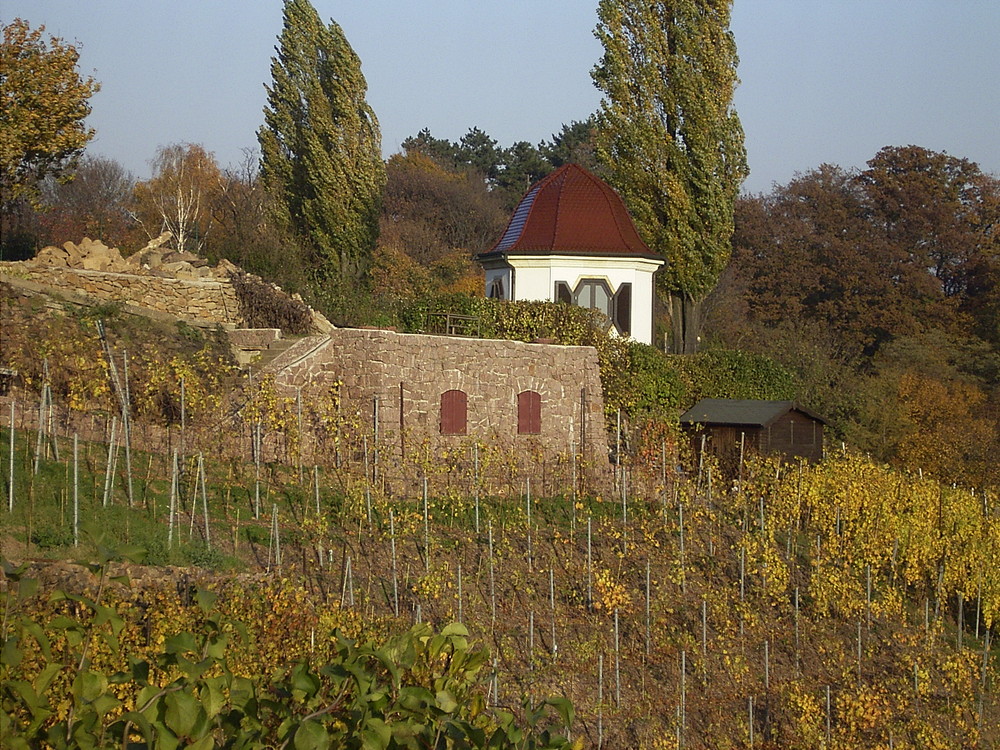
(407, 373)
(156, 278)
(210, 301)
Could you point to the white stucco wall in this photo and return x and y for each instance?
(534, 278)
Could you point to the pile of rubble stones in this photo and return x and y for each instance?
(155, 259)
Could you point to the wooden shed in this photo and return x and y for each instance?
(765, 427)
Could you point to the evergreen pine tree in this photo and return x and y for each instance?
(671, 140)
(321, 148)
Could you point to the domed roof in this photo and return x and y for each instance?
(571, 212)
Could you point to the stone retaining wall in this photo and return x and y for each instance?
(391, 387)
(406, 374)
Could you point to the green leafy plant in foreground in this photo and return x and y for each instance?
(420, 689)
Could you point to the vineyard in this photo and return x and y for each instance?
(843, 605)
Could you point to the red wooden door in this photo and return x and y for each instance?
(529, 413)
(454, 412)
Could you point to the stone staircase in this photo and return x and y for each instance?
(266, 356)
(257, 347)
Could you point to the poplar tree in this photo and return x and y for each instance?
(671, 140)
(321, 148)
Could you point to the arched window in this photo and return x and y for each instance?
(597, 295)
(529, 413)
(454, 412)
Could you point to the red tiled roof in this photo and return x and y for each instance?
(571, 212)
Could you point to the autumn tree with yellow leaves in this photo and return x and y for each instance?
(179, 196)
(43, 104)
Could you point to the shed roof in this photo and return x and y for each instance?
(571, 212)
(747, 412)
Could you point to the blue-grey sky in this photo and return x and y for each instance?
(823, 81)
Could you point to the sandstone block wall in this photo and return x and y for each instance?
(212, 301)
(408, 373)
